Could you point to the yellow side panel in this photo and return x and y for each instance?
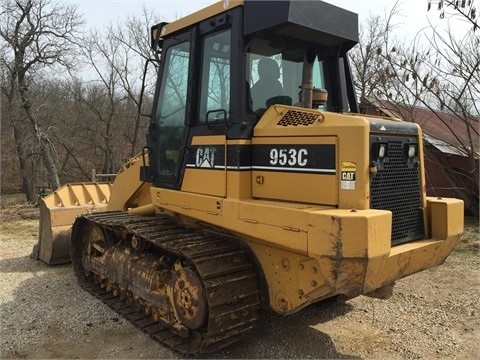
(351, 187)
(203, 174)
(197, 206)
(281, 226)
(209, 140)
(239, 185)
(283, 178)
(304, 188)
(208, 182)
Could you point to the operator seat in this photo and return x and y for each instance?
(268, 85)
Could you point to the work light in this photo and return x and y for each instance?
(382, 150)
(412, 150)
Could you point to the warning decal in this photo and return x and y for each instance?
(348, 176)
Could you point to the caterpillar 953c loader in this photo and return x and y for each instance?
(259, 184)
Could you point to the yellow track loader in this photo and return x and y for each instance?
(260, 184)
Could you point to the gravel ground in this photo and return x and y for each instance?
(433, 314)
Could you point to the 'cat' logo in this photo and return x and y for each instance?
(205, 157)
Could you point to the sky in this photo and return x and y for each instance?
(413, 13)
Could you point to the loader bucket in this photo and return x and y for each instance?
(58, 211)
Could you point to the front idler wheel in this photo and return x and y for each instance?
(97, 241)
(189, 298)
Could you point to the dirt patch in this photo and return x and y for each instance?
(432, 314)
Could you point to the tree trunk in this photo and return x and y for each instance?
(49, 162)
(43, 142)
(28, 181)
(29, 178)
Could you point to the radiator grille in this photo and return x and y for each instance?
(396, 187)
(296, 118)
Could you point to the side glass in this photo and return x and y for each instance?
(215, 85)
(275, 72)
(171, 109)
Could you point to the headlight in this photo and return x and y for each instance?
(412, 150)
(382, 150)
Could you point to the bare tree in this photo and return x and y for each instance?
(15, 125)
(438, 72)
(106, 97)
(464, 9)
(136, 49)
(367, 58)
(65, 126)
(444, 79)
(116, 57)
(35, 35)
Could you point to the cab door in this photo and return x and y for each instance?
(206, 167)
(170, 131)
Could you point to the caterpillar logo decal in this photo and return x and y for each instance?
(206, 157)
(348, 176)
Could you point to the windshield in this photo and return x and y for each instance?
(274, 72)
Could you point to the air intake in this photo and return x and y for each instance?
(299, 118)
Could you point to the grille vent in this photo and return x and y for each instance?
(297, 118)
(396, 187)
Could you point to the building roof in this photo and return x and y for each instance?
(443, 130)
(443, 146)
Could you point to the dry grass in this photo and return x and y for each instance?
(15, 208)
(13, 199)
(470, 240)
(17, 212)
(19, 220)
(25, 228)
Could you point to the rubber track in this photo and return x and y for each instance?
(231, 314)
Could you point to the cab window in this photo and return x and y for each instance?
(274, 73)
(173, 92)
(171, 109)
(215, 77)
